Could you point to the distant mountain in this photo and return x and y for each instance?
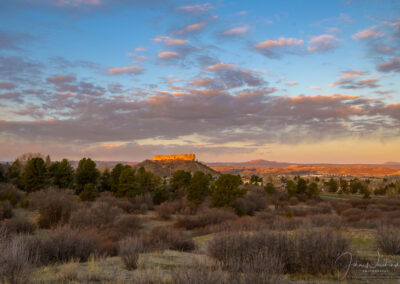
(391, 164)
(167, 168)
(253, 164)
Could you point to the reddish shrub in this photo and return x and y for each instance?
(19, 226)
(6, 211)
(204, 218)
(164, 237)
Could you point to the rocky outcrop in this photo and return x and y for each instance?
(184, 157)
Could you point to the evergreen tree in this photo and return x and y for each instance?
(179, 182)
(105, 181)
(226, 190)
(291, 187)
(301, 185)
(115, 173)
(86, 173)
(312, 189)
(332, 185)
(61, 174)
(270, 188)
(126, 186)
(147, 181)
(14, 173)
(198, 188)
(88, 193)
(35, 174)
(2, 173)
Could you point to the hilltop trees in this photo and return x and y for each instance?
(86, 173)
(61, 174)
(34, 176)
(226, 190)
(126, 184)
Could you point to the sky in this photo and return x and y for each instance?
(299, 81)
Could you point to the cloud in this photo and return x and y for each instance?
(236, 31)
(323, 43)
(202, 82)
(193, 27)
(371, 32)
(13, 40)
(390, 66)
(293, 83)
(272, 48)
(315, 88)
(57, 79)
(352, 84)
(140, 49)
(76, 3)
(7, 85)
(220, 66)
(199, 8)
(126, 70)
(167, 54)
(170, 41)
(352, 73)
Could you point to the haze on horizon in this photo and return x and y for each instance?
(305, 82)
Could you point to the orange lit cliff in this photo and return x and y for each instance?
(185, 157)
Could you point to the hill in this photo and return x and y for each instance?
(253, 163)
(165, 168)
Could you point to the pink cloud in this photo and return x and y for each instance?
(392, 65)
(322, 43)
(195, 8)
(170, 41)
(293, 83)
(371, 32)
(193, 27)
(236, 31)
(167, 54)
(315, 88)
(220, 66)
(352, 73)
(202, 82)
(279, 43)
(125, 70)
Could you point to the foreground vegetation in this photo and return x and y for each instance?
(58, 224)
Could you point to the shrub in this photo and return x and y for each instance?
(204, 218)
(11, 193)
(121, 203)
(163, 237)
(97, 214)
(19, 226)
(353, 215)
(167, 208)
(307, 251)
(88, 193)
(54, 206)
(388, 239)
(15, 261)
(198, 275)
(129, 250)
(124, 225)
(293, 200)
(63, 245)
(326, 221)
(142, 203)
(5, 210)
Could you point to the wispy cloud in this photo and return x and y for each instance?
(371, 32)
(236, 31)
(126, 70)
(167, 54)
(170, 41)
(323, 43)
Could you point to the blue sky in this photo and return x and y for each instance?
(228, 80)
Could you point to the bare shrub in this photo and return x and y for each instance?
(142, 203)
(122, 203)
(19, 226)
(14, 261)
(332, 221)
(54, 206)
(293, 200)
(388, 239)
(340, 206)
(306, 251)
(199, 274)
(164, 237)
(97, 215)
(64, 244)
(5, 210)
(129, 250)
(204, 218)
(246, 223)
(167, 208)
(353, 215)
(10, 193)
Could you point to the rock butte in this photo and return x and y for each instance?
(185, 157)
